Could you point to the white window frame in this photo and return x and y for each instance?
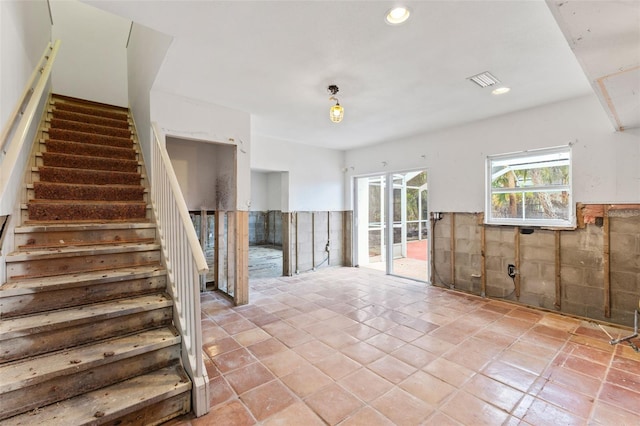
(523, 160)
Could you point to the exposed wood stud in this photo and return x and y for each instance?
(219, 273)
(606, 262)
(203, 244)
(286, 245)
(241, 293)
(516, 245)
(558, 303)
(453, 249)
(313, 241)
(231, 254)
(296, 244)
(483, 264)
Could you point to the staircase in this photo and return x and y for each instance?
(86, 334)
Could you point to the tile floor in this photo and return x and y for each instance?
(352, 346)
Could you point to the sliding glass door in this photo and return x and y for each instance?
(395, 213)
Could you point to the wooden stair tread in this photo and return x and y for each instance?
(80, 136)
(37, 169)
(57, 282)
(56, 97)
(99, 128)
(109, 403)
(133, 148)
(80, 222)
(61, 244)
(21, 326)
(73, 226)
(122, 160)
(87, 202)
(97, 119)
(23, 373)
(87, 185)
(72, 251)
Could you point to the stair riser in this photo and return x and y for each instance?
(48, 191)
(143, 400)
(90, 109)
(78, 296)
(78, 148)
(26, 241)
(53, 159)
(68, 386)
(93, 138)
(71, 211)
(75, 126)
(52, 340)
(158, 413)
(91, 119)
(100, 195)
(79, 264)
(89, 177)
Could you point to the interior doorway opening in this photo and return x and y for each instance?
(392, 224)
(268, 198)
(207, 174)
(265, 244)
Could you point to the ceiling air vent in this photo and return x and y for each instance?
(484, 79)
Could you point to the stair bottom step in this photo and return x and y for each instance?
(150, 399)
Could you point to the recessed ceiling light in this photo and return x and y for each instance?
(397, 15)
(500, 90)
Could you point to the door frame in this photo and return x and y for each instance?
(387, 215)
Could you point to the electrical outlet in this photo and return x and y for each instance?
(511, 270)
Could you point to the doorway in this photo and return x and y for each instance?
(268, 196)
(393, 208)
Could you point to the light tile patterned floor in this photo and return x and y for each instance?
(352, 346)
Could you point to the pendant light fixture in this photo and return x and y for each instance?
(336, 112)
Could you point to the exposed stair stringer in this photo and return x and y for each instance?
(86, 322)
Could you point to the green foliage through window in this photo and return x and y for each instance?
(530, 188)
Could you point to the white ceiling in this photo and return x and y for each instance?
(275, 59)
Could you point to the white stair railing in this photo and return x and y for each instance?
(185, 262)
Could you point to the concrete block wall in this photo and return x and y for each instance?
(537, 268)
(316, 240)
(442, 251)
(625, 265)
(257, 228)
(468, 252)
(581, 272)
(580, 287)
(274, 228)
(499, 243)
(265, 227)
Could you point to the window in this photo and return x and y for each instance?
(531, 188)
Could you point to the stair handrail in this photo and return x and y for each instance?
(43, 67)
(14, 152)
(185, 263)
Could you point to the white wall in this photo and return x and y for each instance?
(25, 30)
(605, 164)
(315, 174)
(205, 173)
(266, 190)
(92, 61)
(145, 53)
(196, 120)
(259, 191)
(275, 182)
